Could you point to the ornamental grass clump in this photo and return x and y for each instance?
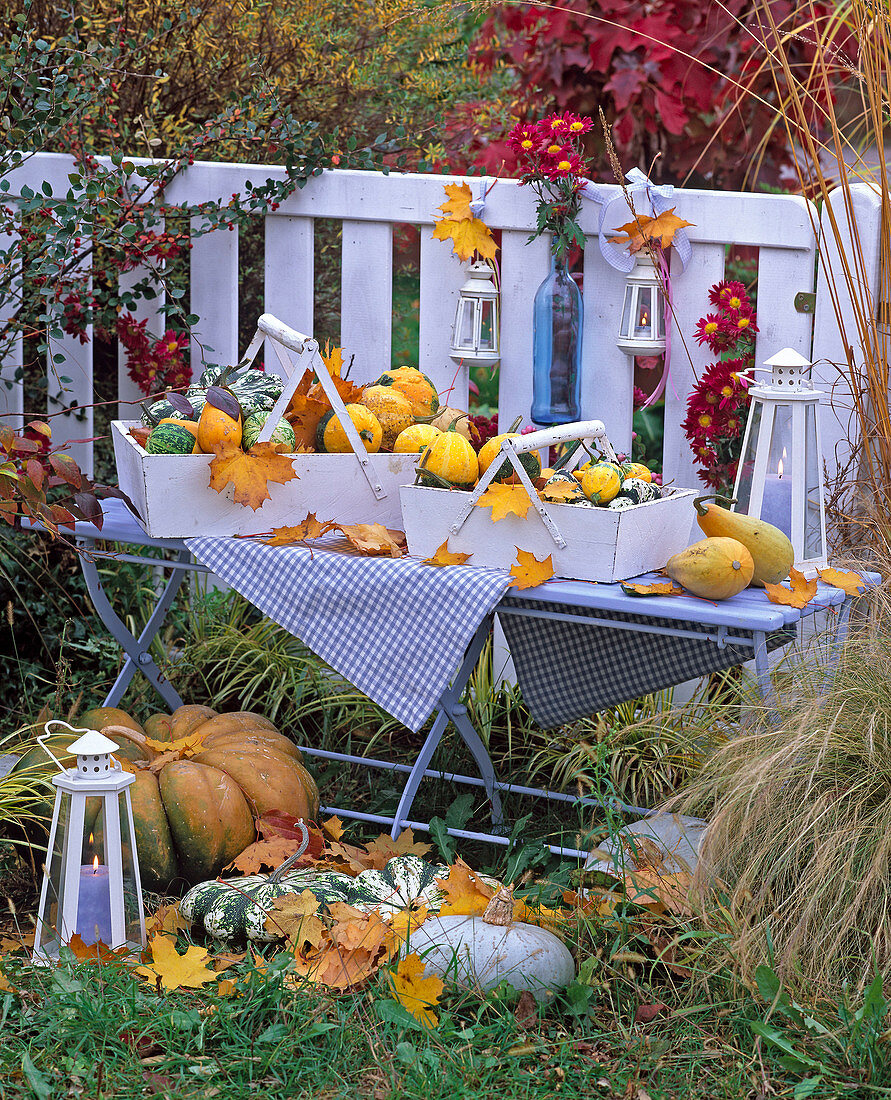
(799, 846)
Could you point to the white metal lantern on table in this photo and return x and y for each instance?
(475, 335)
(91, 884)
(780, 474)
(642, 328)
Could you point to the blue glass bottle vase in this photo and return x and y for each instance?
(557, 313)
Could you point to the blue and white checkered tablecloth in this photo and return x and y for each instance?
(395, 628)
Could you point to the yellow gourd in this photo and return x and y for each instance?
(332, 439)
(415, 386)
(216, 428)
(451, 458)
(714, 568)
(393, 412)
(771, 550)
(601, 483)
(416, 439)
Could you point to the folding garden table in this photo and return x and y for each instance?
(578, 647)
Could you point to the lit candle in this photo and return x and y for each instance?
(94, 904)
(776, 503)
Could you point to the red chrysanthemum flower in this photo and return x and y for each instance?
(707, 327)
(721, 293)
(639, 398)
(563, 164)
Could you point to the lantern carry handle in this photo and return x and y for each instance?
(43, 736)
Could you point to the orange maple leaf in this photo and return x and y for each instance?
(799, 594)
(176, 971)
(374, 540)
(444, 556)
(269, 852)
(304, 412)
(308, 528)
(466, 894)
(385, 848)
(333, 827)
(665, 588)
(224, 959)
(457, 207)
(296, 918)
(349, 393)
(250, 474)
(467, 236)
(850, 583)
(95, 952)
(659, 230)
(333, 359)
(505, 500)
(414, 992)
(352, 928)
(529, 571)
(166, 918)
(182, 747)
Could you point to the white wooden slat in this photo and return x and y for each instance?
(442, 275)
(366, 299)
(149, 310)
(689, 295)
(782, 274)
(607, 375)
(834, 331)
(70, 386)
(288, 276)
(523, 267)
(11, 363)
(213, 297)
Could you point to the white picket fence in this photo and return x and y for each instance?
(785, 229)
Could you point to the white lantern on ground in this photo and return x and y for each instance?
(780, 474)
(475, 336)
(91, 884)
(642, 328)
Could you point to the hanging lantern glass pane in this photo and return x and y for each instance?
(132, 926)
(465, 323)
(776, 503)
(51, 936)
(627, 304)
(813, 524)
(487, 325)
(643, 312)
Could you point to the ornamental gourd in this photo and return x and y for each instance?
(480, 952)
(282, 437)
(714, 568)
(448, 416)
(491, 450)
(415, 387)
(451, 459)
(415, 439)
(601, 482)
(392, 409)
(216, 428)
(771, 550)
(332, 439)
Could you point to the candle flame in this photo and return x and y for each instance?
(644, 318)
(95, 859)
(91, 840)
(780, 466)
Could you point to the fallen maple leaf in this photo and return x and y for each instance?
(659, 230)
(559, 490)
(467, 236)
(333, 827)
(799, 594)
(352, 929)
(666, 588)
(304, 412)
(166, 918)
(444, 556)
(226, 987)
(250, 474)
(5, 986)
(464, 892)
(333, 359)
(269, 853)
(457, 207)
(849, 583)
(224, 959)
(182, 747)
(374, 540)
(644, 1014)
(384, 848)
(414, 992)
(98, 952)
(529, 571)
(295, 916)
(176, 971)
(308, 528)
(505, 500)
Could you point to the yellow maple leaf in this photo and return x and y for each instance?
(384, 848)
(176, 971)
(444, 556)
(182, 747)
(333, 359)
(295, 916)
(457, 206)
(659, 230)
(529, 571)
(401, 924)
(333, 827)
(465, 893)
(5, 987)
(250, 474)
(799, 594)
(352, 929)
(414, 992)
(166, 918)
(850, 583)
(226, 987)
(374, 540)
(468, 236)
(663, 588)
(559, 491)
(505, 500)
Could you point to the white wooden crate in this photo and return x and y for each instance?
(172, 493)
(589, 544)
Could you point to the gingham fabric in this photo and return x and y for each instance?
(395, 628)
(570, 670)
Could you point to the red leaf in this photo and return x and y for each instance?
(35, 472)
(66, 468)
(645, 1013)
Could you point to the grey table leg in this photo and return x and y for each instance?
(762, 669)
(838, 640)
(451, 709)
(139, 659)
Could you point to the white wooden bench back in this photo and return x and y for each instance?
(783, 228)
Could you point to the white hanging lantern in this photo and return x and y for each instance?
(779, 478)
(475, 333)
(642, 328)
(91, 881)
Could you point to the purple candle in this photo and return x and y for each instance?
(94, 904)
